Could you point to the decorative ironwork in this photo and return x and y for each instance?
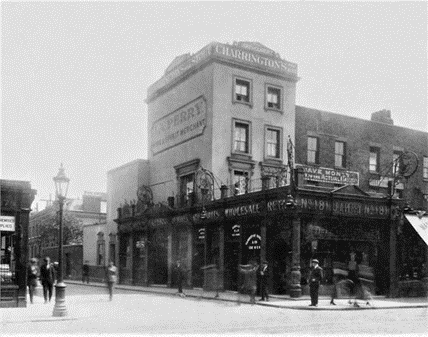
(204, 183)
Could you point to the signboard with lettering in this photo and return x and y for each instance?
(329, 175)
(247, 53)
(344, 208)
(201, 233)
(254, 242)
(236, 230)
(179, 126)
(243, 210)
(7, 223)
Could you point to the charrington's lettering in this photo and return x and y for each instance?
(243, 55)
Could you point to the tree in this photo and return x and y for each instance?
(72, 228)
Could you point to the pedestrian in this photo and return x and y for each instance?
(85, 272)
(315, 279)
(264, 272)
(47, 277)
(32, 274)
(179, 274)
(250, 279)
(111, 278)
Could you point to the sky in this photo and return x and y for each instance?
(74, 75)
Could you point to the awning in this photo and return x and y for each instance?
(420, 224)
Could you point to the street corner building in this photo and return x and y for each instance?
(237, 173)
(16, 200)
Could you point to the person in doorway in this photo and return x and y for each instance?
(111, 278)
(250, 279)
(315, 278)
(263, 272)
(179, 273)
(32, 274)
(47, 277)
(85, 272)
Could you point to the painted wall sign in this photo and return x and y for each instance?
(347, 208)
(329, 175)
(243, 210)
(254, 242)
(179, 126)
(7, 223)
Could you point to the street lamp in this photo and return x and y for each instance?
(61, 186)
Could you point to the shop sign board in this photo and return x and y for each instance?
(329, 175)
(179, 126)
(243, 210)
(343, 207)
(254, 242)
(7, 223)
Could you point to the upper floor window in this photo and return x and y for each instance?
(241, 137)
(242, 90)
(396, 162)
(273, 143)
(313, 150)
(425, 168)
(339, 154)
(240, 182)
(187, 189)
(273, 98)
(374, 159)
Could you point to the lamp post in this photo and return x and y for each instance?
(61, 186)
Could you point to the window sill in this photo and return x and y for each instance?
(250, 104)
(274, 109)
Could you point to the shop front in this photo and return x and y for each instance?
(16, 200)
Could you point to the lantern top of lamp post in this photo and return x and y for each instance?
(61, 182)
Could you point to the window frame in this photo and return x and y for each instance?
(246, 174)
(248, 140)
(280, 98)
(185, 195)
(316, 162)
(374, 149)
(425, 168)
(249, 88)
(279, 146)
(342, 155)
(395, 155)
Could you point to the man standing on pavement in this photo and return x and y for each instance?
(263, 272)
(315, 279)
(47, 277)
(85, 272)
(180, 275)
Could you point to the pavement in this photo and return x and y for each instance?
(39, 312)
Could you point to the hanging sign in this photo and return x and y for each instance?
(236, 230)
(254, 242)
(7, 223)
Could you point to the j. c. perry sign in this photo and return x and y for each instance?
(179, 126)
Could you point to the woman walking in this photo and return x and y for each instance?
(111, 278)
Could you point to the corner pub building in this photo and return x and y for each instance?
(221, 187)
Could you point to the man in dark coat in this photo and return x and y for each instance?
(315, 279)
(179, 272)
(85, 272)
(263, 272)
(47, 277)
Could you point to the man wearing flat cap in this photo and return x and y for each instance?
(315, 279)
(263, 273)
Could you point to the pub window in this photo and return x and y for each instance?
(339, 154)
(241, 137)
(273, 98)
(396, 162)
(273, 143)
(242, 91)
(425, 172)
(374, 159)
(313, 150)
(240, 182)
(187, 189)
